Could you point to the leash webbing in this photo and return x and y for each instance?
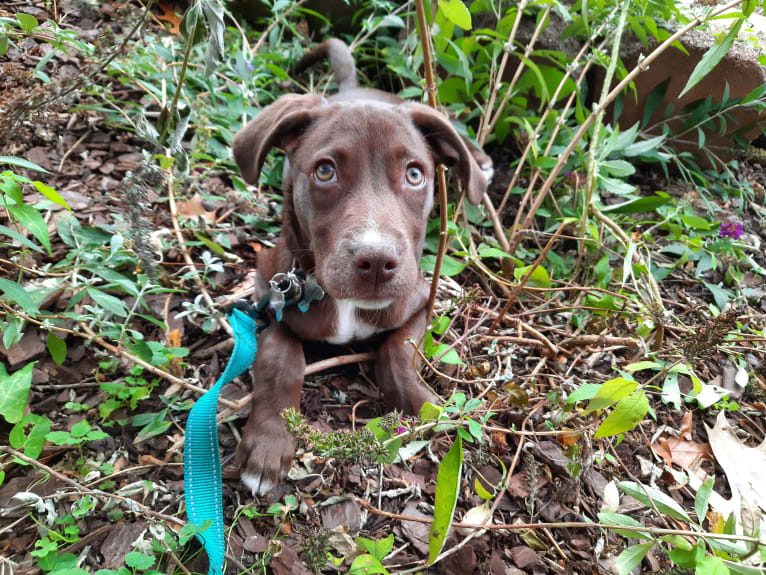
(202, 457)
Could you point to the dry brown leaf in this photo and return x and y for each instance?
(170, 15)
(174, 338)
(686, 426)
(682, 451)
(498, 440)
(193, 209)
(686, 454)
(568, 438)
(150, 460)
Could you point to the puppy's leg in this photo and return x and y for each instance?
(394, 369)
(266, 450)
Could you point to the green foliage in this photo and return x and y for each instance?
(14, 390)
(79, 434)
(440, 352)
(28, 435)
(60, 40)
(448, 481)
(21, 214)
(354, 446)
(201, 94)
(712, 57)
(372, 561)
(703, 554)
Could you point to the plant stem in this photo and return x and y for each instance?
(179, 87)
(592, 168)
(428, 71)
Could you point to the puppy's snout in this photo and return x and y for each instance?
(375, 263)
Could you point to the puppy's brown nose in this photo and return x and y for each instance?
(375, 263)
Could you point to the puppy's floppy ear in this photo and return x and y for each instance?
(449, 149)
(279, 124)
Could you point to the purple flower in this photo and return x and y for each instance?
(400, 430)
(731, 230)
(249, 65)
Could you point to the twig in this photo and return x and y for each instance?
(310, 369)
(586, 125)
(517, 74)
(483, 131)
(590, 182)
(222, 321)
(526, 277)
(432, 367)
(94, 492)
(72, 149)
(147, 366)
(541, 124)
(363, 38)
(428, 71)
(89, 334)
(600, 340)
(105, 63)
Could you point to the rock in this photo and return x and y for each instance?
(740, 68)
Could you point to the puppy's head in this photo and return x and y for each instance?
(358, 185)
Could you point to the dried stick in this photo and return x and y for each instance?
(483, 131)
(640, 67)
(548, 110)
(97, 493)
(428, 71)
(526, 277)
(590, 182)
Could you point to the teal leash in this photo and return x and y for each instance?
(203, 484)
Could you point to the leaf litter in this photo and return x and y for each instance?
(546, 485)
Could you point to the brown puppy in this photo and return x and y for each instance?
(358, 188)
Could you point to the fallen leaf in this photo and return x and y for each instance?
(568, 438)
(498, 440)
(170, 15)
(686, 454)
(682, 451)
(745, 469)
(686, 426)
(194, 209)
(149, 460)
(174, 338)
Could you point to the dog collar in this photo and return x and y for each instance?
(285, 289)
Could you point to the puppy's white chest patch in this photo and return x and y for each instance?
(348, 326)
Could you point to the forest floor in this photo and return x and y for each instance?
(538, 458)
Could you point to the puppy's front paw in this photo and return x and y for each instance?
(265, 454)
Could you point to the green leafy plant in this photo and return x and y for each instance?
(704, 555)
(61, 40)
(22, 214)
(80, 433)
(372, 560)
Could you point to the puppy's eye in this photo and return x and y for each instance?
(414, 176)
(324, 172)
